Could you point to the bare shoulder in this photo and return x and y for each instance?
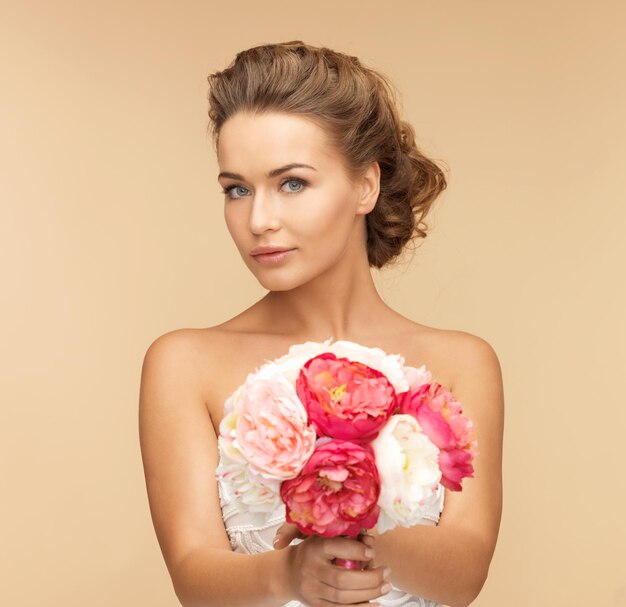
(453, 356)
(184, 345)
(186, 355)
(470, 356)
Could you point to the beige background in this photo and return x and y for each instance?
(111, 233)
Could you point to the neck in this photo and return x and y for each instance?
(342, 303)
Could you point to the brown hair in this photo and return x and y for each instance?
(357, 107)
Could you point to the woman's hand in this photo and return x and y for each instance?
(316, 581)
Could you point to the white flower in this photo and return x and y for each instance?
(229, 403)
(391, 365)
(242, 485)
(408, 466)
(416, 377)
(289, 364)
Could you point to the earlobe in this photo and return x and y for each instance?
(370, 188)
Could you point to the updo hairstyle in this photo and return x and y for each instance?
(357, 108)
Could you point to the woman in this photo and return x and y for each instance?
(315, 163)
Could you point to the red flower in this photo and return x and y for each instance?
(336, 493)
(345, 399)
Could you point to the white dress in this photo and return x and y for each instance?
(253, 532)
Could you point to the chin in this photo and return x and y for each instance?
(284, 279)
(277, 283)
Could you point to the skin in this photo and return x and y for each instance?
(325, 288)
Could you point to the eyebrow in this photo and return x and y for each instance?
(272, 173)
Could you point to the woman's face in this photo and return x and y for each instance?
(314, 210)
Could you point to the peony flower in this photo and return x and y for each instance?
(439, 415)
(242, 486)
(390, 365)
(407, 462)
(267, 427)
(455, 465)
(343, 398)
(415, 378)
(336, 492)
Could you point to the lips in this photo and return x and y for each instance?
(264, 250)
(276, 258)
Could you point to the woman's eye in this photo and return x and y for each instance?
(300, 184)
(228, 189)
(294, 185)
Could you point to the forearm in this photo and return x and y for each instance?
(212, 577)
(447, 565)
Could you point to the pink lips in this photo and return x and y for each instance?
(272, 258)
(268, 248)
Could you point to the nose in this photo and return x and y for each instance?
(263, 212)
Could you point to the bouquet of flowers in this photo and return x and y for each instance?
(347, 437)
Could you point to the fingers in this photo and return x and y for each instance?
(332, 597)
(354, 579)
(347, 548)
(370, 542)
(320, 583)
(285, 534)
(349, 587)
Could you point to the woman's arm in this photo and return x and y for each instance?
(180, 455)
(179, 452)
(449, 563)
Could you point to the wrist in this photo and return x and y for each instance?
(279, 580)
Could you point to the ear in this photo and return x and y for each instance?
(370, 188)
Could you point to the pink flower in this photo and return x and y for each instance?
(268, 427)
(337, 491)
(439, 415)
(455, 465)
(343, 398)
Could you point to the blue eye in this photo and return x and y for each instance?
(300, 182)
(229, 188)
(300, 185)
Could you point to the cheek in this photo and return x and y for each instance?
(326, 219)
(235, 224)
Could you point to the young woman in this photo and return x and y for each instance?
(316, 165)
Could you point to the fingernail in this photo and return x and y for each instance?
(275, 540)
(386, 588)
(386, 572)
(369, 553)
